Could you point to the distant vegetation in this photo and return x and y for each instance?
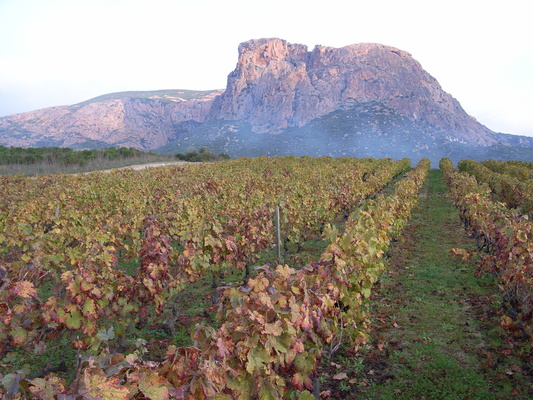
(202, 156)
(51, 160)
(64, 156)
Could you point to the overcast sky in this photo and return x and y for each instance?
(58, 52)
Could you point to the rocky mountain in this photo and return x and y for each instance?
(360, 100)
(277, 85)
(144, 120)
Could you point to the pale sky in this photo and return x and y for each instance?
(59, 52)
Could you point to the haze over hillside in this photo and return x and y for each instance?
(282, 98)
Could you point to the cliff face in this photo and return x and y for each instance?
(359, 100)
(277, 85)
(142, 122)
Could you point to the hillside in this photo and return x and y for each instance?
(368, 130)
(143, 120)
(360, 100)
(165, 96)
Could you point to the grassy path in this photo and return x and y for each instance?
(435, 326)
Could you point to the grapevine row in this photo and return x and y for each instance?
(274, 329)
(505, 236)
(521, 170)
(508, 189)
(66, 239)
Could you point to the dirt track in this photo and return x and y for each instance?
(139, 167)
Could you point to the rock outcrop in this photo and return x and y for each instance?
(361, 100)
(126, 120)
(277, 85)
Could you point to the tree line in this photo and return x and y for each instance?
(68, 156)
(203, 155)
(62, 155)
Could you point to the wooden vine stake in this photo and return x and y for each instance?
(278, 235)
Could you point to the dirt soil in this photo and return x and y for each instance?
(139, 167)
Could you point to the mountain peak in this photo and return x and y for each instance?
(277, 85)
(282, 98)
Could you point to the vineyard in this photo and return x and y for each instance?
(98, 272)
(498, 215)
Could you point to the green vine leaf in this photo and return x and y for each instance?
(257, 358)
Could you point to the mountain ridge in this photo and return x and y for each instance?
(147, 121)
(272, 70)
(280, 96)
(163, 95)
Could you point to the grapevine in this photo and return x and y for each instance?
(506, 239)
(90, 257)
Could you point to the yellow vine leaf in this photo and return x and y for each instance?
(100, 387)
(47, 388)
(24, 289)
(153, 386)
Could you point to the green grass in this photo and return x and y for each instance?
(434, 323)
